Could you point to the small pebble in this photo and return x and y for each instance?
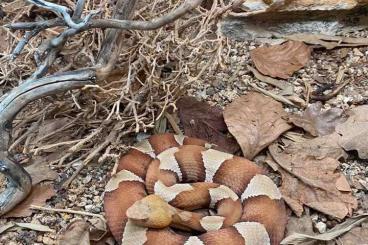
(321, 227)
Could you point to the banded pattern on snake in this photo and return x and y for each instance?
(163, 181)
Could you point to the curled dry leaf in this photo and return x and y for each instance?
(281, 60)
(255, 121)
(313, 182)
(354, 132)
(206, 122)
(39, 195)
(76, 233)
(316, 121)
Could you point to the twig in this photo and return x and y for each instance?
(269, 80)
(117, 24)
(23, 42)
(274, 96)
(29, 131)
(173, 124)
(60, 11)
(57, 210)
(91, 155)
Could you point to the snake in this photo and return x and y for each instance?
(173, 189)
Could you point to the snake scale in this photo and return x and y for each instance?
(164, 183)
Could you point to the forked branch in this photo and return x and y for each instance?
(37, 86)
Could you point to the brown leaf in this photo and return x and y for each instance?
(255, 121)
(281, 60)
(206, 122)
(303, 225)
(354, 132)
(312, 182)
(38, 196)
(98, 229)
(320, 147)
(76, 233)
(318, 122)
(358, 235)
(40, 171)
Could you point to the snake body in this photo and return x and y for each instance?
(171, 177)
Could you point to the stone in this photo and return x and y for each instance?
(321, 227)
(284, 17)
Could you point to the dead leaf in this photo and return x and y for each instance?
(76, 233)
(302, 225)
(30, 226)
(40, 171)
(35, 227)
(287, 88)
(338, 230)
(320, 147)
(327, 41)
(6, 227)
(281, 60)
(312, 182)
(39, 195)
(255, 121)
(316, 121)
(98, 229)
(354, 132)
(205, 122)
(358, 235)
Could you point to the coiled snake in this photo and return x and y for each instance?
(163, 181)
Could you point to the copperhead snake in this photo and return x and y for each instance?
(163, 181)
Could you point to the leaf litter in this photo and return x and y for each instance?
(316, 121)
(314, 183)
(338, 230)
(255, 121)
(39, 195)
(80, 232)
(281, 60)
(354, 132)
(206, 122)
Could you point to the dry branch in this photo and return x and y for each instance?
(36, 87)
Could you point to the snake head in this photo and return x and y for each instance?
(151, 211)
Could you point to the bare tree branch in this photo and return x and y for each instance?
(19, 181)
(187, 6)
